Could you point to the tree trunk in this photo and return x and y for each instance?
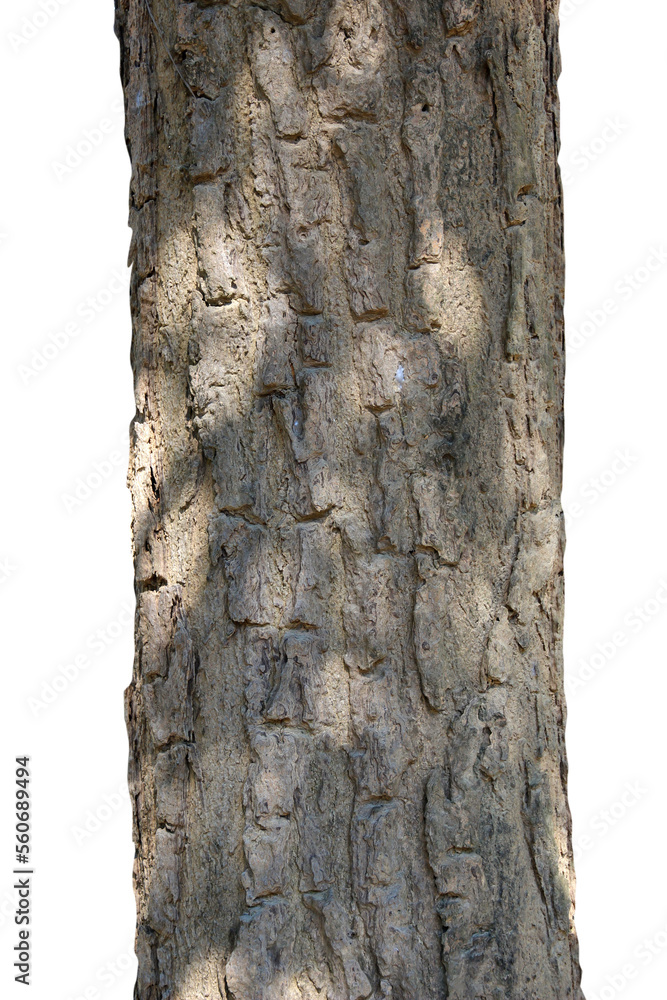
(346, 716)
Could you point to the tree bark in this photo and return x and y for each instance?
(346, 716)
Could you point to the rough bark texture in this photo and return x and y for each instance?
(346, 716)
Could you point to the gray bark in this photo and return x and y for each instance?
(346, 716)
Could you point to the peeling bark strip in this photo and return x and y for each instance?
(346, 715)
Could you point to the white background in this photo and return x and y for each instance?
(65, 567)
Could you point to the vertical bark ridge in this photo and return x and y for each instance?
(346, 714)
